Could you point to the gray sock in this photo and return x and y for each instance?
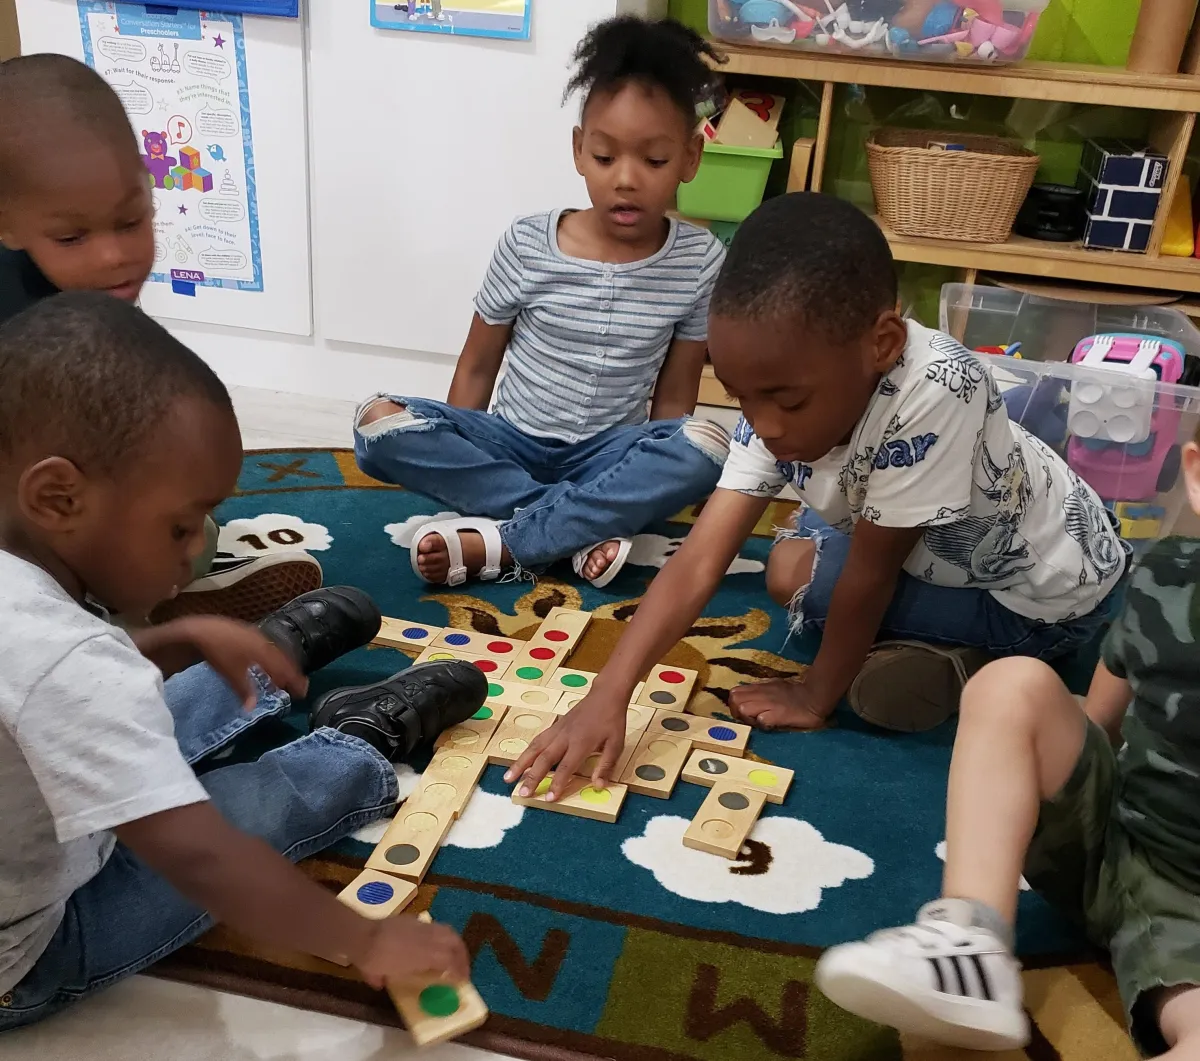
(970, 913)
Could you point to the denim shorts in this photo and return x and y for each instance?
(965, 617)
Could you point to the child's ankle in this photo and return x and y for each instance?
(975, 913)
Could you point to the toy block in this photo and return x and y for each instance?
(478, 644)
(403, 635)
(724, 820)
(579, 799)
(669, 688)
(710, 768)
(711, 734)
(536, 663)
(568, 701)
(438, 1011)
(202, 180)
(182, 175)
(516, 733)
(576, 681)
(517, 694)
(449, 780)
(412, 840)
(377, 896)
(492, 666)
(655, 765)
(189, 158)
(473, 734)
(562, 628)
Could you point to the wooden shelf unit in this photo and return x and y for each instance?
(1174, 99)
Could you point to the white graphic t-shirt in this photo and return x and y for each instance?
(935, 449)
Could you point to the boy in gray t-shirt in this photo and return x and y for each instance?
(115, 444)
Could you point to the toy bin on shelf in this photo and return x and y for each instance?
(1049, 329)
(971, 31)
(730, 183)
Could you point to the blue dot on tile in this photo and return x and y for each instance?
(457, 639)
(376, 893)
(722, 733)
(414, 633)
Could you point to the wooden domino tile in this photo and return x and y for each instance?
(477, 644)
(667, 688)
(377, 896)
(536, 663)
(655, 765)
(711, 734)
(579, 799)
(516, 733)
(492, 666)
(439, 1012)
(637, 721)
(572, 681)
(562, 628)
(412, 841)
(567, 701)
(403, 634)
(724, 820)
(474, 734)
(708, 768)
(449, 780)
(518, 694)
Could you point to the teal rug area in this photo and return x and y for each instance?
(569, 918)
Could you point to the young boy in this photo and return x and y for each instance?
(76, 214)
(115, 443)
(594, 315)
(1110, 838)
(940, 522)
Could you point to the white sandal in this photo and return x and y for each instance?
(613, 569)
(448, 530)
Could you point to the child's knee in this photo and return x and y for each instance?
(382, 416)
(710, 439)
(790, 568)
(1017, 689)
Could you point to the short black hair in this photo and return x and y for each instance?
(811, 255)
(39, 94)
(662, 54)
(86, 376)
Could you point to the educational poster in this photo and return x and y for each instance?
(469, 18)
(182, 77)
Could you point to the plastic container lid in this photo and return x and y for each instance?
(749, 152)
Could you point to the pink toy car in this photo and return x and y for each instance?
(1123, 435)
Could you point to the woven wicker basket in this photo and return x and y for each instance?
(971, 195)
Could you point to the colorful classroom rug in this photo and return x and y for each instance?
(613, 940)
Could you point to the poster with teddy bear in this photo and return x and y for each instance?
(182, 77)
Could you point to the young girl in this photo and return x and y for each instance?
(600, 319)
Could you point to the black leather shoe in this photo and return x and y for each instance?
(318, 627)
(408, 709)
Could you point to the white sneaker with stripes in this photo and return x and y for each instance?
(942, 979)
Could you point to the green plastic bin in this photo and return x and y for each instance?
(730, 183)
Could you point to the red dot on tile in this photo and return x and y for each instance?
(556, 635)
(486, 665)
(672, 677)
(541, 653)
(500, 647)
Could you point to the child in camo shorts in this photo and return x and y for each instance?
(1115, 842)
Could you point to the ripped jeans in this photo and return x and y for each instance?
(962, 617)
(554, 498)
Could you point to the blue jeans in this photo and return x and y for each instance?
(964, 617)
(553, 497)
(300, 799)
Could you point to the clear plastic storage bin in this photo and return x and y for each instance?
(972, 31)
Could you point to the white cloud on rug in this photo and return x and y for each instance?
(940, 851)
(402, 534)
(653, 550)
(273, 532)
(406, 783)
(795, 862)
(485, 822)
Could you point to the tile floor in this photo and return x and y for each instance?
(148, 1020)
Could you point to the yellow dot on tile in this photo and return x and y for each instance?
(544, 785)
(763, 777)
(595, 795)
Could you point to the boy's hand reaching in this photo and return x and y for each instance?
(595, 724)
(402, 950)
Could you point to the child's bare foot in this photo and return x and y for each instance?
(779, 704)
(600, 559)
(433, 557)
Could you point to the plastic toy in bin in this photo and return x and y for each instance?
(1124, 443)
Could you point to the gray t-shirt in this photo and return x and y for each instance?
(86, 744)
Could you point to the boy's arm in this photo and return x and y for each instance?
(479, 364)
(863, 591)
(243, 883)
(675, 599)
(678, 384)
(1108, 699)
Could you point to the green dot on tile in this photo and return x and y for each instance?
(483, 713)
(439, 1000)
(574, 681)
(529, 674)
(495, 690)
